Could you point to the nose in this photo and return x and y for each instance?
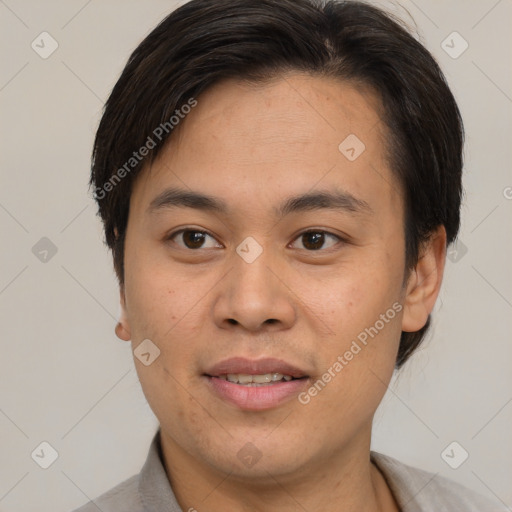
(255, 296)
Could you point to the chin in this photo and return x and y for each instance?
(259, 461)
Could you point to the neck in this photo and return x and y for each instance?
(344, 481)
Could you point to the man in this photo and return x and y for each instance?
(278, 181)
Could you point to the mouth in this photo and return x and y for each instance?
(255, 385)
(245, 379)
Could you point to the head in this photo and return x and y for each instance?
(269, 120)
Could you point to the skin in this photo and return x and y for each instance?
(253, 146)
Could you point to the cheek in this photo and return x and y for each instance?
(157, 296)
(167, 306)
(347, 300)
(360, 305)
(164, 307)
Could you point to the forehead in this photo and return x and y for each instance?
(252, 144)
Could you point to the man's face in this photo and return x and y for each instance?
(254, 286)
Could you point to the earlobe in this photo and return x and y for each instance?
(122, 328)
(424, 282)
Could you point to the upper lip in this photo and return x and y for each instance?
(254, 367)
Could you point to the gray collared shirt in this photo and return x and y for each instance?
(415, 490)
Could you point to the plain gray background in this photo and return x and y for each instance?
(67, 380)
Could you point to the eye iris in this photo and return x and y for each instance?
(193, 239)
(312, 240)
(316, 239)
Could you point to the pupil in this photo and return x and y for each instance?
(193, 239)
(316, 239)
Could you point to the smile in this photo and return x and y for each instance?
(255, 380)
(255, 384)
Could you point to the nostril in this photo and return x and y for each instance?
(232, 321)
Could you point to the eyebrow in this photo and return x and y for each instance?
(338, 200)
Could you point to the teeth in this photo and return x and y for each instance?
(262, 379)
(242, 378)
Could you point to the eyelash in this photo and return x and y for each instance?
(308, 231)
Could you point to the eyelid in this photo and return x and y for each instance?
(173, 234)
(341, 238)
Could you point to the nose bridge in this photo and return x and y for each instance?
(253, 294)
(252, 278)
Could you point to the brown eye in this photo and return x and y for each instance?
(315, 240)
(192, 238)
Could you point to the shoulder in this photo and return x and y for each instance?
(417, 490)
(124, 496)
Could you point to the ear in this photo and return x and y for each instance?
(123, 327)
(424, 282)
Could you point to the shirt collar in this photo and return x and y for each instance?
(154, 488)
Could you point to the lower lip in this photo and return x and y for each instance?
(256, 398)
